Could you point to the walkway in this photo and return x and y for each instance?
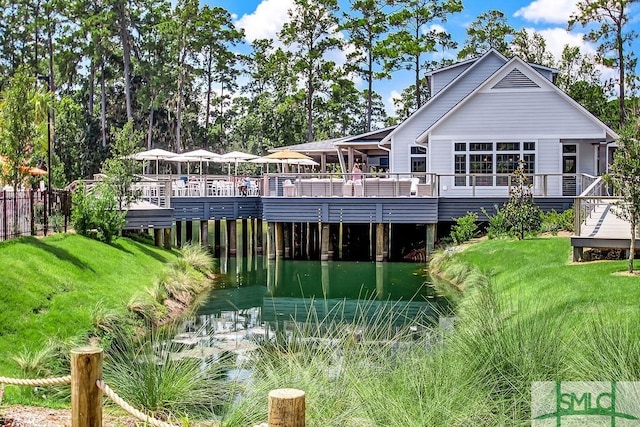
(602, 228)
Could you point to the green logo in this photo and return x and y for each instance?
(585, 404)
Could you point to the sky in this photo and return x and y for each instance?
(264, 19)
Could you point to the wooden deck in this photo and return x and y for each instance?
(602, 228)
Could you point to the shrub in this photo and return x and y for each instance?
(553, 222)
(498, 226)
(197, 257)
(465, 228)
(95, 213)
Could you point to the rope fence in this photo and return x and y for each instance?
(286, 406)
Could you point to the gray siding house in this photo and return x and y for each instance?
(489, 113)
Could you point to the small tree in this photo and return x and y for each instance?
(120, 169)
(624, 175)
(520, 212)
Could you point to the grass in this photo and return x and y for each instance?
(57, 287)
(537, 276)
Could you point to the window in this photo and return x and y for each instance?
(419, 161)
(489, 158)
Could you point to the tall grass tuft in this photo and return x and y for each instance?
(197, 257)
(104, 320)
(157, 375)
(607, 351)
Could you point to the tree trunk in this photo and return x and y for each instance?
(103, 105)
(632, 247)
(150, 128)
(92, 77)
(370, 89)
(126, 57)
(181, 78)
(208, 106)
(621, 76)
(310, 111)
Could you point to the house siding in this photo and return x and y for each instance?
(443, 78)
(498, 113)
(417, 124)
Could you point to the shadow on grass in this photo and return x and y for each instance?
(118, 246)
(61, 254)
(145, 250)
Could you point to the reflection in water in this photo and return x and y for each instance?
(254, 296)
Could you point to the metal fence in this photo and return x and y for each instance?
(26, 213)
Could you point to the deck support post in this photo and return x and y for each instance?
(340, 239)
(204, 234)
(157, 237)
(271, 237)
(224, 238)
(232, 230)
(179, 234)
(324, 242)
(250, 237)
(577, 254)
(385, 241)
(189, 231)
(279, 243)
(430, 242)
(167, 238)
(308, 241)
(379, 242)
(287, 240)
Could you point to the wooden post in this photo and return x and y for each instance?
(157, 237)
(286, 408)
(204, 233)
(231, 232)
(287, 240)
(379, 242)
(188, 232)
(271, 237)
(86, 397)
(324, 242)
(279, 240)
(179, 234)
(167, 238)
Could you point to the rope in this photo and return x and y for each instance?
(130, 409)
(36, 383)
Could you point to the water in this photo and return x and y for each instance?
(254, 297)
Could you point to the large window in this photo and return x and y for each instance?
(489, 158)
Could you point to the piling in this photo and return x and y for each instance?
(86, 397)
(286, 408)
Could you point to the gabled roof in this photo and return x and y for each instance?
(517, 70)
(433, 99)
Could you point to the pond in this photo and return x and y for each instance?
(254, 297)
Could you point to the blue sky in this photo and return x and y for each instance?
(264, 18)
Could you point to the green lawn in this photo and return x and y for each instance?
(50, 286)
(537, 274)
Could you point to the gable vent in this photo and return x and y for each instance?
(515, 79)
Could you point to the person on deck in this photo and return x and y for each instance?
(356, 172)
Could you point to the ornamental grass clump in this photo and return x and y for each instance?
(158, 375)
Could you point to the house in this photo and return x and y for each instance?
(487, 113)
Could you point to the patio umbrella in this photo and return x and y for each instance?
(287, 154)
(265, 161)
(290, 157)
(156, 154)
(183, 158)
(201, 155)
(235, 157)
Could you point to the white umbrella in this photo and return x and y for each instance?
(183, 158)
(265, 160)
(201, 155)
(155, 154)
(235, 157)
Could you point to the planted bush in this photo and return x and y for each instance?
(465, 228)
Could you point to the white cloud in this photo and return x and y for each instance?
(389, 105)
(557, 38)
(552, 11)
(437, 29)
(266, 21)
